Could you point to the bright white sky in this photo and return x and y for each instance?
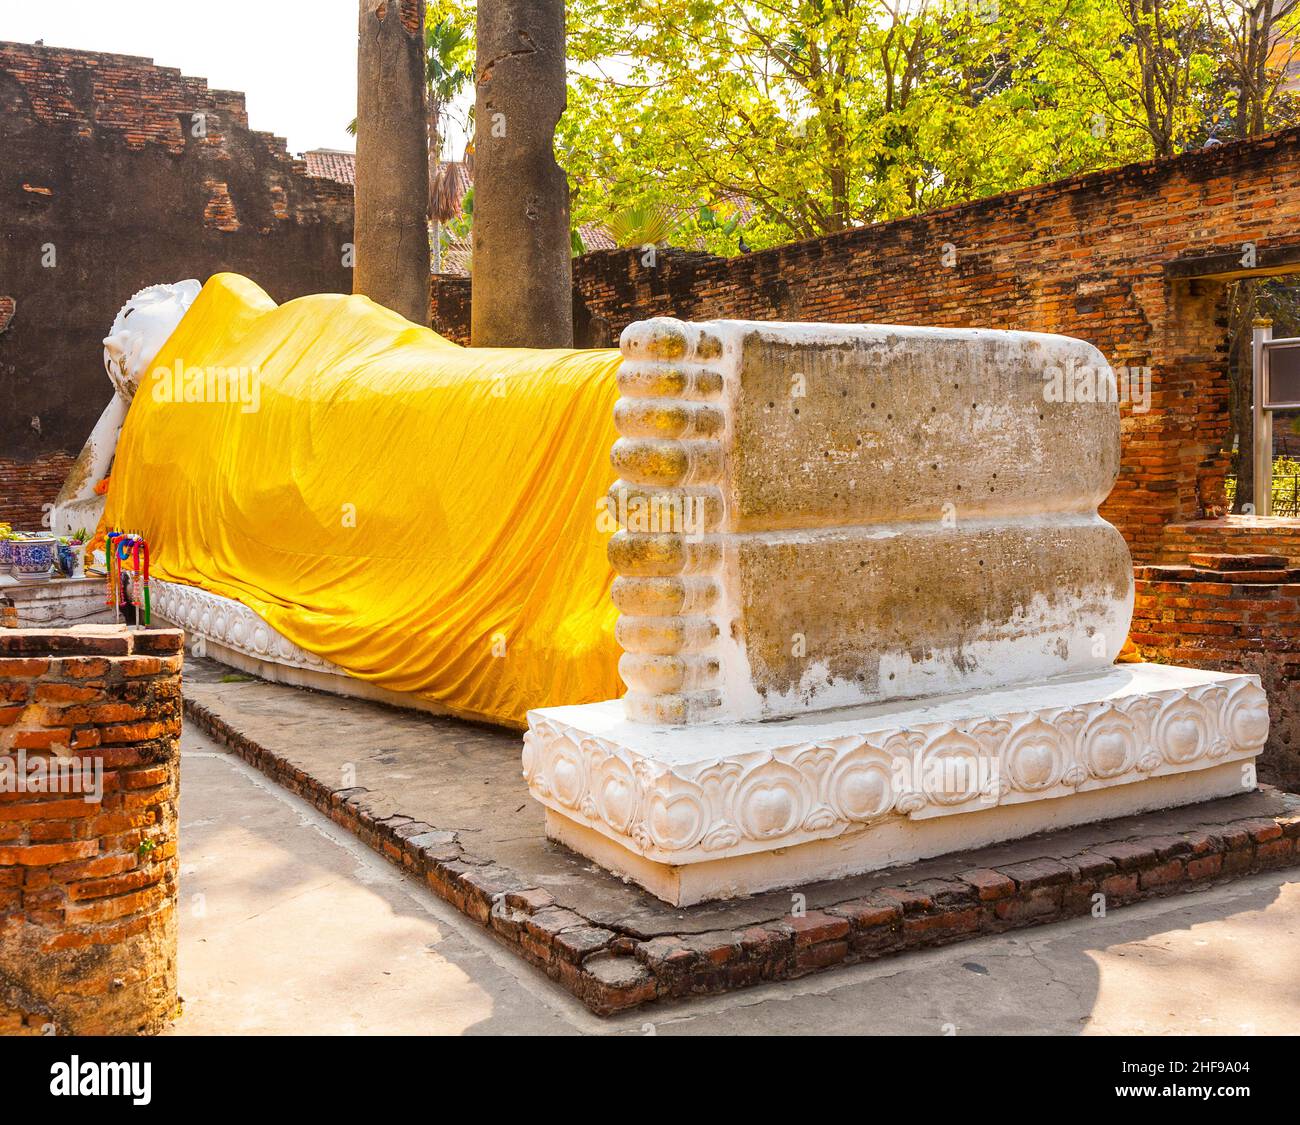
(295, 59)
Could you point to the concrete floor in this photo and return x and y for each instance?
(465, 777)
(290, 925)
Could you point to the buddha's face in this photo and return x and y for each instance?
(141, 329)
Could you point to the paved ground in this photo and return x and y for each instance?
(290, 925)
(465, 777)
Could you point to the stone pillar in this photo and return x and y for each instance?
(392, 191)
(520, 273)
(90, 721)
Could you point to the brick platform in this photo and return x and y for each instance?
(1232, 534)
(1231, 613)
(613, 946)
(88, 871)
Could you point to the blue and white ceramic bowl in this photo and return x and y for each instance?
(33, 559)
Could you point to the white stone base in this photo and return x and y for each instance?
(700, 812)
(335, 683)
(233, 634)
(889, 843)
(57, 602)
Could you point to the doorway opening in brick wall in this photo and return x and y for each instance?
(1217, 299)
(1246, 300)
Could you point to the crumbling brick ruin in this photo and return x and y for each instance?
(90, 722)
(119, 174)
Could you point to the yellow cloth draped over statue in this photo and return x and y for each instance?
(421, 514)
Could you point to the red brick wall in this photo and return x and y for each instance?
(1233, 535)
(102, 163)
(27, 487)
(412, 15)
(1086, 257)
(88, 888)
(1216, 615)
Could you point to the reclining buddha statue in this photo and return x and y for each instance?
(337, 497)
(853, 577)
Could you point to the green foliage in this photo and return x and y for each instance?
(641, 224)
(786, 119)
(1285, 491)
(818, 115)
(448, 48)
(459, 227)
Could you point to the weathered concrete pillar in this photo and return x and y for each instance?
(521, 275)
(392, 192)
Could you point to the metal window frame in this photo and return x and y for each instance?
(1268, 347)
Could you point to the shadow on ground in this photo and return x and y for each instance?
(290, 925)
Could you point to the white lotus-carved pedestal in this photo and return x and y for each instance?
(869, 614)
(702, 812)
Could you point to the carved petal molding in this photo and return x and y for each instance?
(232, 624)
(713, 808)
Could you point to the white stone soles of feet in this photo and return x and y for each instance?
(880, 514)
(874, 513)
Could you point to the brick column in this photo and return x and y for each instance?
(90, 722)
(1231, 613)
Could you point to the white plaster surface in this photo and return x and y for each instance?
(994, 765)
(59, 601)
(709, 743)
(885, 843)
(138, 333)
(890, 511)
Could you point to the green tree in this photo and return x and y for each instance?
(449, 62)
(812, 116)
(819, 115)
(449, 68)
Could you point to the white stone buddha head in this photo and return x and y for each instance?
(140, 330)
